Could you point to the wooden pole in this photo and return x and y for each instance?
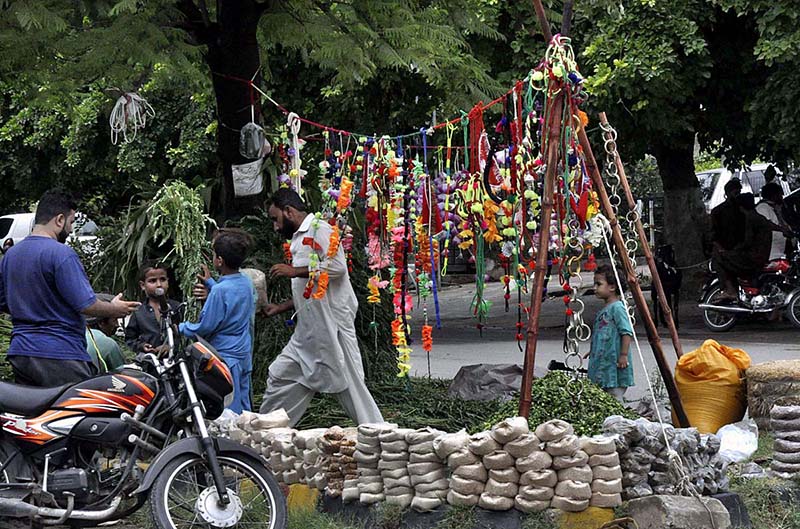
(662, 299)
(633, 282)
(554, 133)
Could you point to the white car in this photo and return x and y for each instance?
(16, 227)
(712, 182)
(19, 225)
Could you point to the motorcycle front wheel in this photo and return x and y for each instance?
(715, 320)
(183, 496)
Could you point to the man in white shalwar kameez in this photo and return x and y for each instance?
(323, 354)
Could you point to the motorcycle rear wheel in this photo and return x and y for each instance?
(183, 496)
(793, 311)
(715, 320)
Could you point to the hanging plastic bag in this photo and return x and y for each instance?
(251, 141)
(738, 441)
(247, 179)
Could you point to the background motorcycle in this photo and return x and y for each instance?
(776, 287)
(95, 451)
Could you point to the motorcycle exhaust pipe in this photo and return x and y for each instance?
(731, 308)
(21, 509)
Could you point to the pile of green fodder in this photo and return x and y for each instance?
(553, 397)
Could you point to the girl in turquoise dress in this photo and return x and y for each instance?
(609, 366)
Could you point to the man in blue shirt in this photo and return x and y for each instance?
(45, 289)
(227, 314)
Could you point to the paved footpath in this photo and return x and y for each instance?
(459, 343)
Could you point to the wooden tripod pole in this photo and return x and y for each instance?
(662, 299)
(633, 282)
(553, 135)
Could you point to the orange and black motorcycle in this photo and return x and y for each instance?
(96, 451)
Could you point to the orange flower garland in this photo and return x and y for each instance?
(345, 191)
(333, 245)
(322, 285)
(427, 338)
(287, 253)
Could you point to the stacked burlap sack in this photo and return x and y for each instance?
(426, 470)
(339, 446)
(573, 490)
(785, 426)
(368, 482)
(645, 458)
(604, 463)
(312, 471)
(393, 467)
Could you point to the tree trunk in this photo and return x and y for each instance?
(234, 57)
(685, 218)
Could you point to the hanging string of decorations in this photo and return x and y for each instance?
(425, 205)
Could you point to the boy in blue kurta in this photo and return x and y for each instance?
(609, 366)
(226, 316)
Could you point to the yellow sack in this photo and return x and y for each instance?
(710, 382)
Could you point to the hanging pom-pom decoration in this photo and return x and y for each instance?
(427, 338)
(130, 113)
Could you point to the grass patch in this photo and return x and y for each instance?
(458, 517)
(762, 497)
(538, 520)
(312, 519)
(411, 403)
(764, 450)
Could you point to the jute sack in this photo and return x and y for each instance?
(539, 478)
(787, 447)
(598, 445)
(505, 475)
(423, 504)
(574, 489)
(535, 461)
(784, 412)
(425, 447)
(394, 456)
(607, 473)
(370, 488)
(553, 430)
(607, 460)
(476, 472)
(569, 504)
(430, 477)
(495, 488)
(429, 457)
(523, 445)
(605, 500)
(565, 446)
(482, 443)
(419, 469)
(523, 505)
(785, 468)
(374, 429)
(461, 457)
(788, 458)
(536, 493)
(401, 500)
(389, 483)
(394, 446)
(447, 444)
(267, 421)
(439, 486)
(497, 460)
(423, 435)
(390, 436)
(369, 499)
(788, 436)
(463, 500)
(612, 486)
(350, 494)
(467, 487)
(583, 473)
(578, 459)
(509, 429)
(495, 503)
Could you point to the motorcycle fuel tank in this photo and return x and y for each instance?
(110, 394)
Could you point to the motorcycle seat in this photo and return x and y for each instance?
(28, 401)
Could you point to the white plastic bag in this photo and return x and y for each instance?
(738, 441)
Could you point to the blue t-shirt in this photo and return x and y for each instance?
(45, 289)
(226, 316)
